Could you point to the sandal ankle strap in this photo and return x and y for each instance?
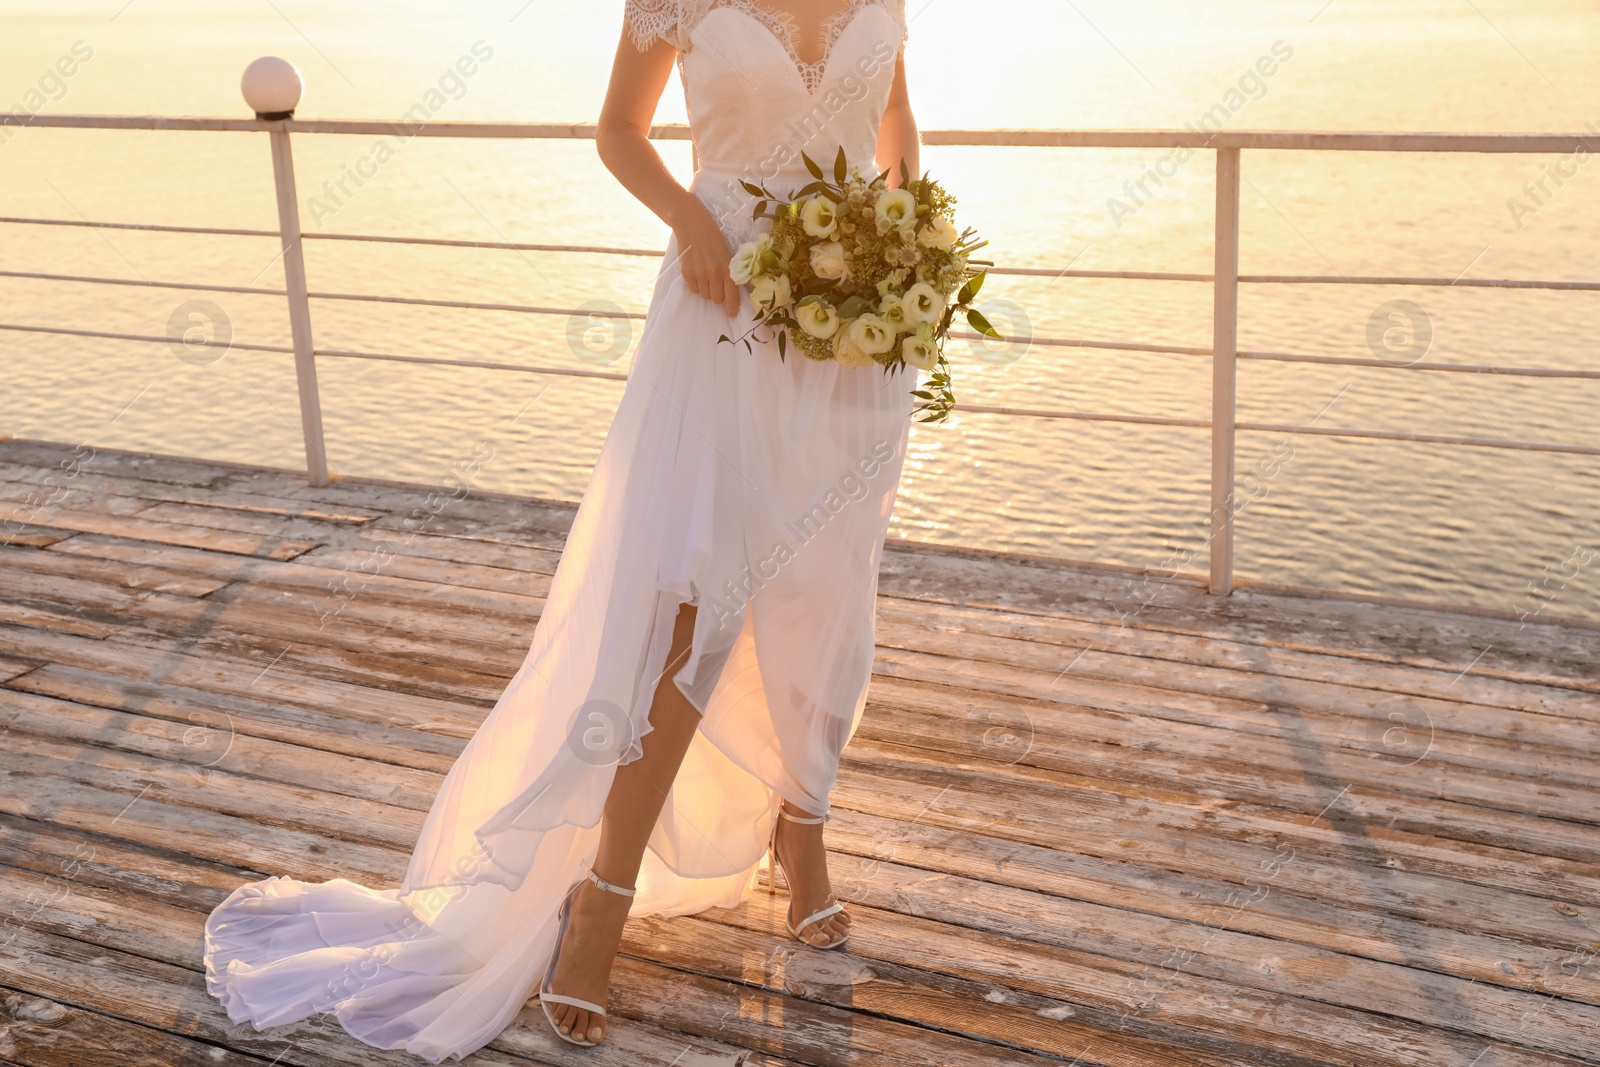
(609, 887)
(808, 820)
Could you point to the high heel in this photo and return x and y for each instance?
(546, 997)
(772, 881)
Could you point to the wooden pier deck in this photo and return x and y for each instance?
(1086, 820)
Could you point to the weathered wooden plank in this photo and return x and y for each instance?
(1448, 799)
(348, 575)
(1373, 706)
(114, 802)
(29, 759)
(131, 573)
(1193, 956)
(20, 501)
(391, 559)
(254, 520)
(1544, 651)
(172, 533)
(1014, 799)
(211, 741)
(1497, 938)
(310, 728)
(48, 455)
(1070, 636)
(58, 617)
(40, 1032)
(258, 680)
(1151, 851)
(27, 535)
(12, 667)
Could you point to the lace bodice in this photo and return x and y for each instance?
(675, 21)
(755, 105)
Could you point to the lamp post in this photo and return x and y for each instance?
(273, 87)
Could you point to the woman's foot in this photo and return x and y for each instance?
(805, 868)
(594, 933)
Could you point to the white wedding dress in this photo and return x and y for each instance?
(756, 488)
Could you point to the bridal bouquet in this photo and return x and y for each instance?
(863, 274)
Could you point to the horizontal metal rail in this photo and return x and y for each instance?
(1049, 342)
(986, 409)
(1286, 140)
(1020, 272)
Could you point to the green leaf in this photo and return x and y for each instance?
(981, 324)
(753, 190)
(840, 167)
(755, 212)
(723, 339)
(783, 344)
(905, 173)
(970, 290)
(811, 165)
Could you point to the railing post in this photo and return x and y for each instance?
(294, 277)
(1224, 369)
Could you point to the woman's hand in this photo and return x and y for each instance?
(703, 256)
(623, 140)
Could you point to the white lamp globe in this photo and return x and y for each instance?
(272, 87)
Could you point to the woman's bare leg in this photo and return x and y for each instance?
(806, 870)
(632, 806)
(637, 796)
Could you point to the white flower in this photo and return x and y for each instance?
(871, 334)
(769, 293)
(847, 352)
(817, 318)
(919, 353)
(819, 217)
(894, 208)
(894, 313)
(745, 263)
(938, 232)
(827, 260)
(923, 304)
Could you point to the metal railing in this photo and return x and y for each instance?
(1225, 278)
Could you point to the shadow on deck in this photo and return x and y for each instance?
(1086, 820)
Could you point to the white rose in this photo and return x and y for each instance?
(769, 293)
(871, 334)
(895, 208)
(923, 304)
(817, 318)
(819, 217)
(827, 260)
(919, 353)
(745, 263)
(938, 232)
(847, 352)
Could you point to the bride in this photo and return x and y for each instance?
(704, 651)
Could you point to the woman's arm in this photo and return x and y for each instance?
(897, 136)
(623, 141)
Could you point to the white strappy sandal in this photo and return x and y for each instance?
(772, 881)
(546, 997)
